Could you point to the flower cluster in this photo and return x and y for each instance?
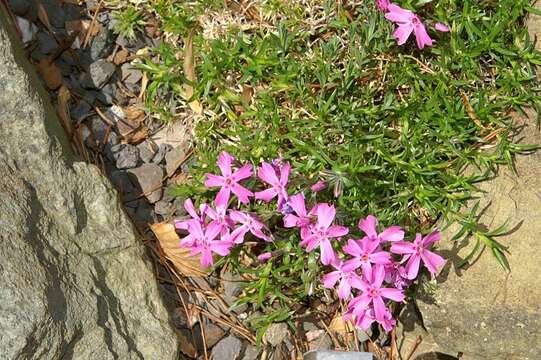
(407, 23)
(370, 272)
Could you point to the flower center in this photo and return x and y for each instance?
(373, 292)
(365, 258)
(228, 181)
(415, 20)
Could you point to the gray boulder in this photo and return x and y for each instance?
(73, 279)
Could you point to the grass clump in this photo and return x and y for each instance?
(325, 87)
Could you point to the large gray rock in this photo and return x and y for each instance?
(73, 282)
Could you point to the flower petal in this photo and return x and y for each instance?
(214, 180)
(433, 262)
(223, 196)
(441, 27)
(298, 205)
(402, 247)
(412, 267)
(378, 275)
(284, 174)
(344, 289)
(402, 33)
(266, 195)
(422, 37)
(325, 215)
(224, 162)
(393, 294)
(431, 238)
(397, 14)
(267, 174)
(379, 308)
(327, 253)
(369, 225)
(392, 233)
(380, 257)
(330, 279)
(352, 248)
(242, 193)
(242, 173)
(337, 231)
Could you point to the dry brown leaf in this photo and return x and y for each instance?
(121, 57)
(341, 327)
(189, 73)
(63, 110)
(81, 27)
(144, 83)
(134, 113)
(44, 18)
(50, 73)
(175, 135)
(136, 136)
(169, 241)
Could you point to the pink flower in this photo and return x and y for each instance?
(369, 226)
(219, 215)
(302, 218)
(264, 257)
(383, 5)
(373, 294)
(417, 251)
(365, 252)
(408, 22)
(248, 224)
(321, 233)
(395, 274)
(278, 183)
(204, 242)
(317, 187)
(441, 27)
(229, 180)
(346, 277)
(362, 318)
(197, 218)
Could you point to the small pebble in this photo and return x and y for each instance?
(127, 157)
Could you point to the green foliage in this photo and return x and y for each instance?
(129, 20)
(391, 128)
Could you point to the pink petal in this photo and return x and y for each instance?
(380, 257)
(441, 27)
(327, 252)
(242, 173)
(188, 205)
(344, 289)
(290, 221)
(330, 279)
(214, 180)
(364, 322)
(284, 174)
(402, 33)
(379, 308)
(297, 204)
(432, 261)
(311, 243)
(222, 248)
(351, 265)
(237, 236)
(212, 230)
(325, 215)
(267, 174)
(206, 258)
(224, 163)
(431, 238)
(242, 193)
(356, 282)
(359, 304)
(258, 233)
(317, 187)
(378, 275)
(422, 36)
(383, 5)
(392, 233)
(337, 231)
(403, 247)
(369, 245)
(369, 225)
(265, 256)
(266, 195)
(393, 294)
(412, 267)
(397, 14)
(223, 196)
(352, 248)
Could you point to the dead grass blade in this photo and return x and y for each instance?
(169, 241)
(44, 18)
(63, 111)
(189, 73)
